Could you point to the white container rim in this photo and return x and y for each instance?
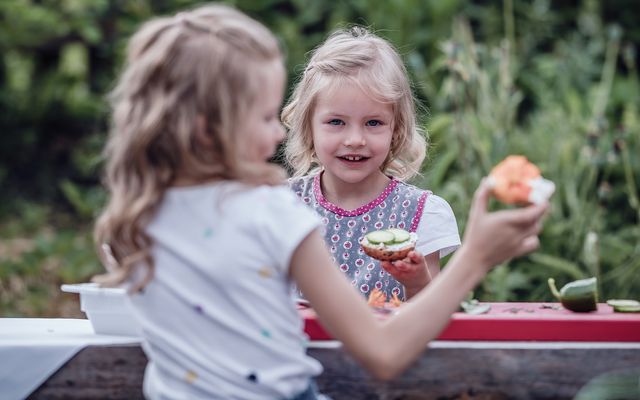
(92, 288)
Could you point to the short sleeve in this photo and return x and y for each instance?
(285, 221)
(438, 229)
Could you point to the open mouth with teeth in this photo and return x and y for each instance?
(353, 158)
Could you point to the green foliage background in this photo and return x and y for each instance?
(556, 81)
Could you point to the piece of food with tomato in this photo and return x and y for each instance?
(515, 180)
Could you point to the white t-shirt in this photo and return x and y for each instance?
(218, 318)
(437, 230)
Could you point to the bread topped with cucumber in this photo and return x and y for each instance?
(388, 244)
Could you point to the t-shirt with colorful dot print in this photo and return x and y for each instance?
(218, 318)
(400, 205)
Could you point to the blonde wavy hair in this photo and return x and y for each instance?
(187, 83)
(373, 64)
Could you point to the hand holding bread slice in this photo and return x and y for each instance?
(388, 244)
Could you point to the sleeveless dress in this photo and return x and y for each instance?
(400, 205)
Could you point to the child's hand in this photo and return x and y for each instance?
(412, 272)
(494, 237)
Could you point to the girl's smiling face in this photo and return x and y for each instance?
(351, 134)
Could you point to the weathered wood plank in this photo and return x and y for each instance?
(442, 372)
(477, 373)
(98, 372)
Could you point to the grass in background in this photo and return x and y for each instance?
(580, 127)
(38, 253)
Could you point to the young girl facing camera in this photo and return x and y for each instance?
(210, 241)
(353, 141)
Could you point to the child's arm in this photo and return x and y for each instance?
(433, 265)
(386, 348)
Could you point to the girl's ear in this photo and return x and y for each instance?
(202, 132)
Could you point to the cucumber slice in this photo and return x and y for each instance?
(624, 306)
(627, 309)
(377, 237)
(623, 303)
(400, 235)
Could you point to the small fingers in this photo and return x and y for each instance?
(401, 265)
(530, 244)
(525, 216)
(415, 257)
(481, 197)
(531, 230)
(525, 246)
(389, 267)
(536, 212)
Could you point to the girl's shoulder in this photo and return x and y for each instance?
(436, 203)
(432, 202)
(409, 189)
(231, 196)
(301, 184)
(277, 197)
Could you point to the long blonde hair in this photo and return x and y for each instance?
(374, 65)
(191, 75)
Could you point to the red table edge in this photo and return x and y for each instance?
(523, 329)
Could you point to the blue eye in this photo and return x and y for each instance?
(373, 122)
(336, 121)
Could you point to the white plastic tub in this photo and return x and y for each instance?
(108, 309)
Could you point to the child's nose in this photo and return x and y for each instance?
(354, 138)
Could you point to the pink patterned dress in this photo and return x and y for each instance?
(400, 205)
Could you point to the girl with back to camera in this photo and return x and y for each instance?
(210, 241)
(353, 141)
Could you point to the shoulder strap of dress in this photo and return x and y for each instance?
(419, 210)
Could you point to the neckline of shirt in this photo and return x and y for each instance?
(317, 191)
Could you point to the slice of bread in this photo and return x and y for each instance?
(384, 247)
